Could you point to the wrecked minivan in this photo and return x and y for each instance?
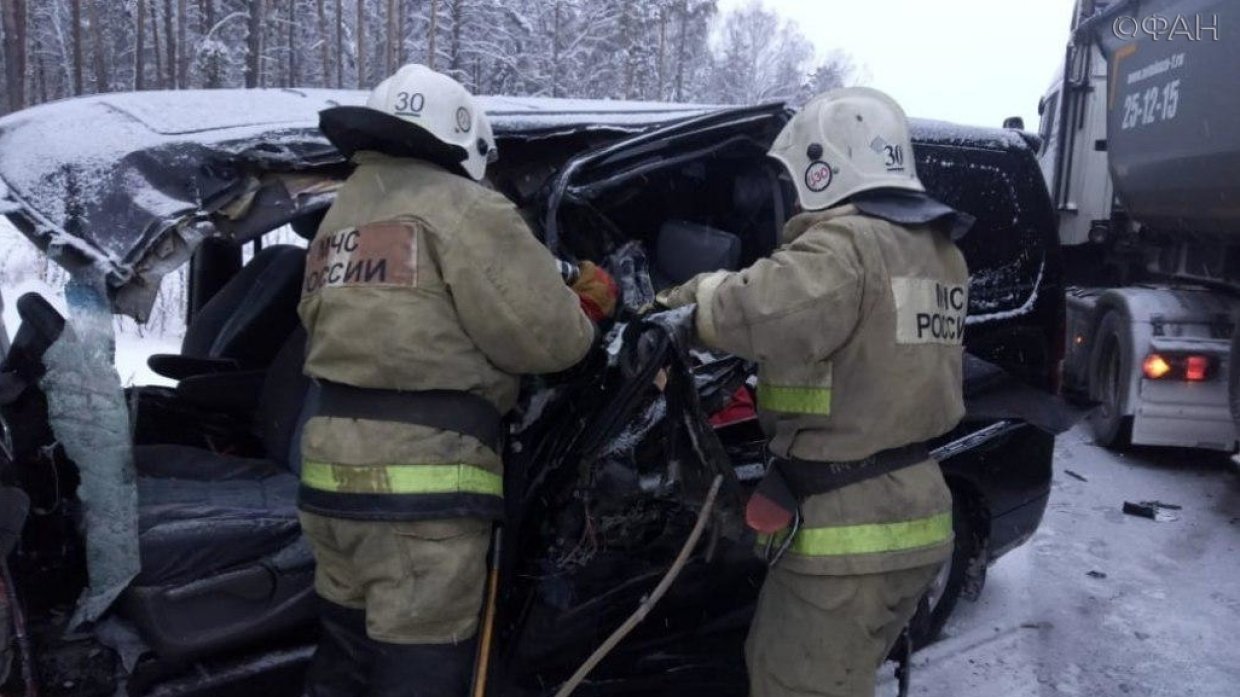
(149, 534)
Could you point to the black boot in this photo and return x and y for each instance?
(423, 670)
(345, 656)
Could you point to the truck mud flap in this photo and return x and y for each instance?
(991, 393)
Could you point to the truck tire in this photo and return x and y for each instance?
(1233, 377)
(1109, 367)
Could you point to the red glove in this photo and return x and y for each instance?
(597, 291)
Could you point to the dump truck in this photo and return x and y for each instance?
(1141, 151)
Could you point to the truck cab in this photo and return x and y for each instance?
(1075, 165)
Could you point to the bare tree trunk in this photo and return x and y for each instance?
(206, 16)
(294, 70)
(14, 19)
(325, 46)
(339, 43)
(626, 34)
(207, 8)
(361, 44)
(75, 32)
(170, 46)
(157, 47)
(182, 45)
(102, 81)
(40, 73)
(662, 51)
(253, 42)
(139, 53)
(402, 45)
(555, 51)
(390, 54)
(458, 19)
(680, 52)
(430, 34)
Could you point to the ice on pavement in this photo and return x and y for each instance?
(1164, 622)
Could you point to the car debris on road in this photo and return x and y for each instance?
(1154, 510)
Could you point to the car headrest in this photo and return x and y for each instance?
(40, 328)
(307, 226)
(251, 316)
(686, 249)
(752, 192)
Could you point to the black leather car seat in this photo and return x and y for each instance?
(223, 561)
(246, 322)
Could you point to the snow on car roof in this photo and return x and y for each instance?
(62, 161)
(945, 132)
(82, 139)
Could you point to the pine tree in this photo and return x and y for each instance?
(614, 49)
(139, 71)
(254, 42)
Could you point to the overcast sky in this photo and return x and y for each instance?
(969, 61)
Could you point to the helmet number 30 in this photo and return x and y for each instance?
(410, 103)
(895, 157)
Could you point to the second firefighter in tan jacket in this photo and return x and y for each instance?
(426, 297)
(857, 324)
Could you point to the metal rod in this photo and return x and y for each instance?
(483, 660)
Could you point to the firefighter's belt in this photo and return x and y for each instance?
(446, 410)
(788, 482)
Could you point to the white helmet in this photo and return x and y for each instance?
(844, 142)
(434, 104)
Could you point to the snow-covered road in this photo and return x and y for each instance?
(1159, 615)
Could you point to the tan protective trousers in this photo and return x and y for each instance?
(419, 582)
(828, 635)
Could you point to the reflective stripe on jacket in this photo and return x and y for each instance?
(420, 279)
(857, 326)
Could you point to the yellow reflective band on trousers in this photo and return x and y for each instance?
(795, 400)
(871, 538)
(401, 479)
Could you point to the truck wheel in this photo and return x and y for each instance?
(1233, 377)
(1110, 366)
(940, 600)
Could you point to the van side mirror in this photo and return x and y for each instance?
(1014, 122)
(1042, 106)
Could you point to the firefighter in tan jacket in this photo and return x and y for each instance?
(426, 297)
(856, 323)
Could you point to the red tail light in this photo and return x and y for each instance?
(1196, 368)
(1178, 366)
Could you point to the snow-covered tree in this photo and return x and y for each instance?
(665, 50)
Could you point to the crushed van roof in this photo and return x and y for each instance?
(99, 181)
